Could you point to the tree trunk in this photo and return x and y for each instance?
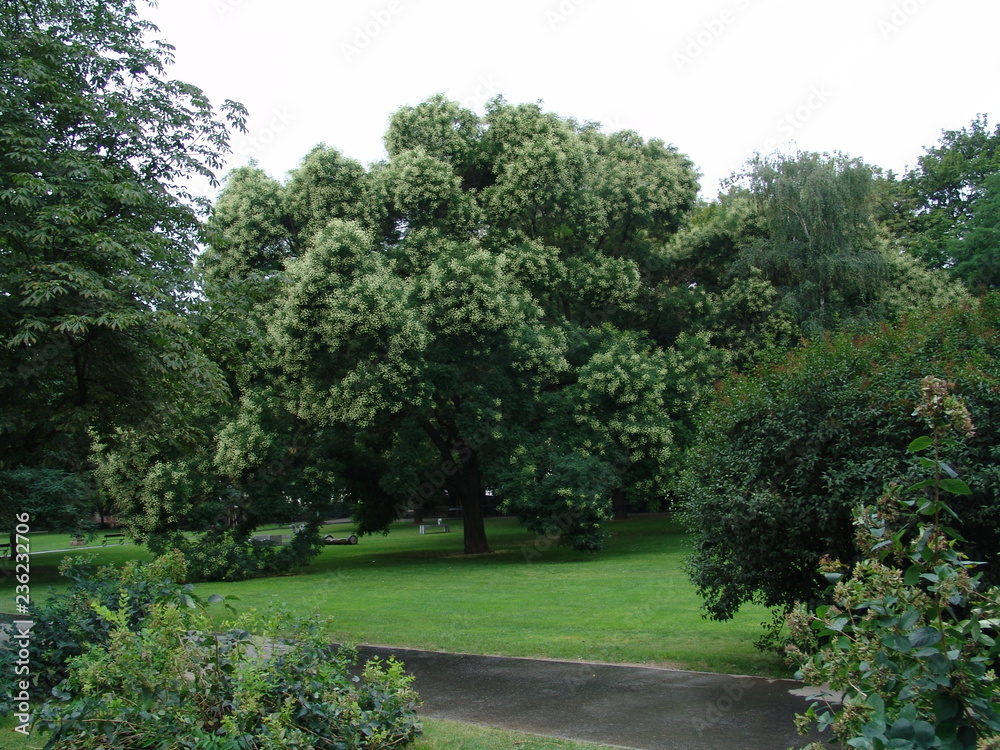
(618, 504)
(464, 480)
(466, 487)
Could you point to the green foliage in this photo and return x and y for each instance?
(97, 231)
(976, 254)
(935, 202)
(821, 250)
(227, 555)
(910, 634)
(163, 674)
(785, 453)
(325, 186)
(795, 249)
(55, 499)
(247, 230)
(434, 309)
(66, 623)
(445, 131)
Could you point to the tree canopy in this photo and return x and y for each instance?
(99, 325)
(442, 313)
(97, 231)
(946, 199)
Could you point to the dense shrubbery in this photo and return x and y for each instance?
(139, 663)
(786, 453)
(223, 555)
(66, 623)
(909, 635)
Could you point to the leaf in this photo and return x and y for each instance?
(924, 733)
(955, 487)
(912, 575)
(839, 624)
(946, 468)
(924, 637)
(946, 707)
(897, 643)
(902, 729)
(921, 443)
(877, 703)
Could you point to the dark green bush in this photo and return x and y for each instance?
(785, 454)
(66, 623)
(225, 555)
(141, 664)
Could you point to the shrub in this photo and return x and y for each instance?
(132, 659)
(784, 454)
(225, 555)
(176, 683)
(910, 635)
(65, 623)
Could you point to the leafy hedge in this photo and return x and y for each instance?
(141, 664)
(786, 453)
(224, 555)
(909, 635)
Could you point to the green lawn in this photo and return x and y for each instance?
(631, 603)
(438, 735)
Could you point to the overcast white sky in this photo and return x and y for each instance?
(877, 79)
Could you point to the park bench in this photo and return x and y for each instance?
(439, 526)
(119, 537)
(5, 550)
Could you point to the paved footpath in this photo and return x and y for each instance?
(630, 707)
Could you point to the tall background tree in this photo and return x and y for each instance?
(934, 207)
(442, 307)
(97, 234)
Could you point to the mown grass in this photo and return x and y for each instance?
(438, 735)
(631, 603)
(450, 735)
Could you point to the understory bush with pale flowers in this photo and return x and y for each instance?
(910, 634)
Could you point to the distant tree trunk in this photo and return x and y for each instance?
(464, 480)
(466, 488)
(618, 504)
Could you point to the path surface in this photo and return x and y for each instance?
(626, 706)
(632, 707)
